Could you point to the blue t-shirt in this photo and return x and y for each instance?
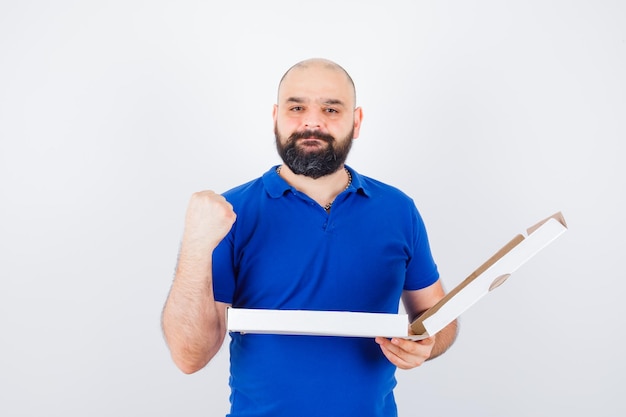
(286, 252)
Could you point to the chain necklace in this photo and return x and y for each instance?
(329, 205)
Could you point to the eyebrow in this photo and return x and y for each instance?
(328, 101)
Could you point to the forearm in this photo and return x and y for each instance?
(444, 339)
(193, 323)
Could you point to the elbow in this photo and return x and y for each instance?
(191, 361)
(189, 364)
(188, 368)
(192, 350)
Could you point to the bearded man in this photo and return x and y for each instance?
(309, 234)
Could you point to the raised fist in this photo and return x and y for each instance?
(209, 218)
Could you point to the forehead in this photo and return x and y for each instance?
(316, 83)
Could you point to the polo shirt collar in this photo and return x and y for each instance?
(358, 184)
(276, 186)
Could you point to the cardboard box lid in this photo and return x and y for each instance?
(479, 283)
(490, 274)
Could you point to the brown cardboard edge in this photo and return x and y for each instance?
(558, 216)
(417, 326)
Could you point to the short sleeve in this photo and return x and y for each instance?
(224, 271)
(421, 268)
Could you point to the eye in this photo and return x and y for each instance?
(331, 110)
(296, 108)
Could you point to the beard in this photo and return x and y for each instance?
(314, 163)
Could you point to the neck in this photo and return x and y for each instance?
(323, 190)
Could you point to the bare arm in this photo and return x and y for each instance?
(194, 324)
(408, 354)
(416, 302)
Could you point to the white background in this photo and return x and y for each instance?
(492, 115)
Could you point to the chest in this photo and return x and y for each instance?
(309, 259)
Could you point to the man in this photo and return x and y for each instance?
(311, 234)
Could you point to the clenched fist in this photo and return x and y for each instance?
(209, 218)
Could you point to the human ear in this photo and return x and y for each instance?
(358, 118)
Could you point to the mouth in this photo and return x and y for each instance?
(311, 136)
(311, 142)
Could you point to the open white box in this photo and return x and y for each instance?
(479, 283)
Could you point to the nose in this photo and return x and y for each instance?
(312, 121)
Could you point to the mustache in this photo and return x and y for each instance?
(311, 134)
